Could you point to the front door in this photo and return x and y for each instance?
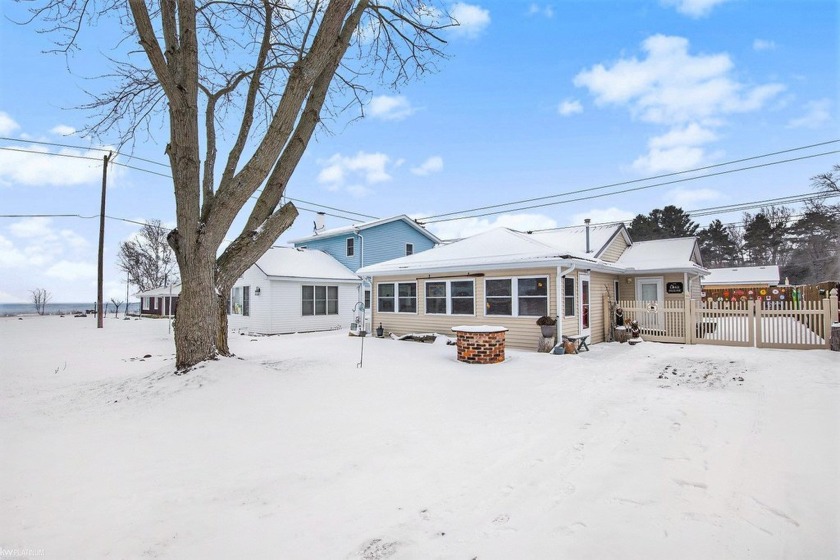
(585, 316)
(649, 293)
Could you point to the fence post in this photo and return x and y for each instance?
(754, 323)
(833, 317)
(689, 324)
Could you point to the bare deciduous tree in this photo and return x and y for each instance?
(148, 259)
(40, 298)
(267, 70)
(117, 303)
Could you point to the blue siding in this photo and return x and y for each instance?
(381, 243)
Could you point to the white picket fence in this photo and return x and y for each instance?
(800, 325)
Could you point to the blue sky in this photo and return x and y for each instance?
(535, 99)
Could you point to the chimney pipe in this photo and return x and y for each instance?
(586, 221)
(319, 222)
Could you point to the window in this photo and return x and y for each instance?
(239, 301)
(435, 298)
(533, 296)
(351, 246)
(516, 297)
(246, 300)
(498, 297)
(568, 297)
(367, 299)
(407, 300)
(409, 249)
(451, 297)
(319, 300)
(400, 297)
(385, 298)
(461, 293)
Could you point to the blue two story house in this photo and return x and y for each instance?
(370, 243)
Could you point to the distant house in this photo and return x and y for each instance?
(294, 290)
(745, 283)
(161, 301)
(510, 278)
(743, 276)
(370, 243)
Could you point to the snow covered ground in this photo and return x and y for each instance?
(290, 451)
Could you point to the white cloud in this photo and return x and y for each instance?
(32, 227)
(471, 19)
(686, 198)
(537, 10)
(71, 270)
(602, 216)
(9, 298)
(432, 165)
(690, 135)
(7, 124)
(472, 226)
(390, 108)
(690, 94)
(63, 130)
(671, 159)
(569, 107)
(817, 113)
(10, 256)
(763, 45)
(40, 166)
(693, 8)
(672, 86)
(339, 170)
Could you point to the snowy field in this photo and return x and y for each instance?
(292, 452)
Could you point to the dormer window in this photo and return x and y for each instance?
(351, 246)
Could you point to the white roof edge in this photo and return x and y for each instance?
(547, 263)
(315, 279)
(367, 225)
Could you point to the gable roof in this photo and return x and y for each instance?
(345, 230)
(503, 248)
(161, 292)
(677, 254)
(492, 249)
(291, 262)
(743, 275)
(574, 238)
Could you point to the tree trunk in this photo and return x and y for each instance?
(197, 319)
(222, 329)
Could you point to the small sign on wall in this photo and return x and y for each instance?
(674, 287)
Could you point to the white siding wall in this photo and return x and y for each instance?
(277, 310)
(286, 313)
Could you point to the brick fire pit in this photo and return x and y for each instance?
(480, 344)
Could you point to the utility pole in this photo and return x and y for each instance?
(99, 280)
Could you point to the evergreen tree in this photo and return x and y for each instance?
(666, 223)
(717, 246)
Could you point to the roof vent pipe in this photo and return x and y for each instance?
(586, 221)
(319, 222)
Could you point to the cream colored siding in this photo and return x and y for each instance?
(615, 249)
(523, 331)
(675, 277)
(571, 324)
(598, 284)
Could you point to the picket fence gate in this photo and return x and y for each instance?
(763, 324)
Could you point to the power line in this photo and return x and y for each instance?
(432, 221)
(96, 159)
(88, 148)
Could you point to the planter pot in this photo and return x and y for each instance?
(547, 330)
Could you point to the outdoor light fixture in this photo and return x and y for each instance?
(629, 280)
(257, 291)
